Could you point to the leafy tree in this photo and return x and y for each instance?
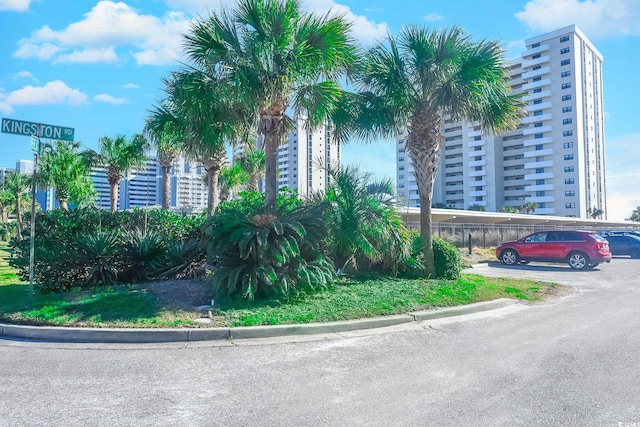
(411, 82)
(18, 185)
(231, 179)
(479, 208)
(508, 209)
(275, 56)
(596, 213)
(363, 224)
(6, 201)
(528, 207)
(118, 156)
(635, 215)
(167, 136)
(67, 171)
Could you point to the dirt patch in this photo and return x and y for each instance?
(477, 256)
(180, 295)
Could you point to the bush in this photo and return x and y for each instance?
(264, 255)
(97, 254)
(447, 259)
(186, 259)
(143, 255)
(57, 233)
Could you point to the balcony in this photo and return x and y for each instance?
(538, 118)
(537, 141)
(542, 199)
(536, 153)
(539, 129)
(541, 106)
(475, 163)
(478, 173)
(512, 162)
(478, 193)
(478, 143)
(539, 95)
(477, 183)
(535, 165)
(539, 83)
(543, 187)
(534, 62)
(545, 211)
(535, 73)
(477, 153)
(535, 176)
(534, 50)
(474, 133)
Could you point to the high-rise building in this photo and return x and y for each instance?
(555, 158)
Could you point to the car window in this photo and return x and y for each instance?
(598, 238)
(553, 237)
(538, 237)
(572, 236)
(616, 239)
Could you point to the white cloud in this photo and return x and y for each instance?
(108, 26)
(365, 30)
(103, 97)
(623, 177)
(430, 17)
(23, 75)
(130, 86)
(55, 92)
(199, 7)
(15, 5)
(597, 18)
(87, 56)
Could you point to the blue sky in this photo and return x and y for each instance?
(97, 66)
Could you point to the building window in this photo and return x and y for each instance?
(570, 193)
(538, 147)
(539, 136)
(537, 79)
(569, 181)
(401, 159)
(564, 39)
(401, 150)
(565, 50)
(567, 145)
(401, 168)
(565, 85)
(570, 205)
(537, 101)
(538, 125)
(567, 109)
(568, 156)
(567, 133)
(565, 74)
(536, 56)
(539, 193)
(539, 170)
(566, 97)
(537, 67)
(533, 46)
(567, 121)
(565, 62)
(537, 113)
(400, 176)
(537, 90)
(568, 168)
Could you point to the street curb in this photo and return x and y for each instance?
(113, 335)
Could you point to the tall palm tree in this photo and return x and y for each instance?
(231, 179)
(167, 136)
(252, 159)
(529, 207)
(67, 171)
(410, 82)
(118, 156)
(275, 56)
(18, 186)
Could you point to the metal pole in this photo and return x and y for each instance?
(469, 243)
(32, 245)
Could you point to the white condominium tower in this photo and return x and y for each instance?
(556, 156)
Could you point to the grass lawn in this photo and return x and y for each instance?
(138, 306)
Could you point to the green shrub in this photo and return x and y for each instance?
(185, 259)
(260, 255)
(143, 254)
(97, 255)
(447, 259)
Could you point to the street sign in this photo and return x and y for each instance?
(19, 127)
(35, 144)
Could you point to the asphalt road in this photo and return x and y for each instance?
(573, 361)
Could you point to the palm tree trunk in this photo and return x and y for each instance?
(272, 127)
(63, 204)
(213, 172)
(19, 214)
(166, 185)
(252, 185)
(423, 145)
(113, 193)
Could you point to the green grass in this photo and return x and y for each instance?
(133, 306)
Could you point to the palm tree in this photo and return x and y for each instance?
(167, 136)
(118, 156)
(508, 209)
(596, 213)
(231, 179)
(67, 171)
(18, 186)
(6, 200)
(252, 159)
(275, 56)
(410, 82)
(528, 207)
(635, 215)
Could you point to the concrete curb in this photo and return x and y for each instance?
(112, 335)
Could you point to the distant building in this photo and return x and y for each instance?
(556, 156)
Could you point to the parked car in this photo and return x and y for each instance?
(624, 244)
(620, 233)
(580, 249)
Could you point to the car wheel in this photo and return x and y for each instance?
(634, 253)
(509, 257)
(578, 261)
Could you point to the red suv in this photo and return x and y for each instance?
(580, 249)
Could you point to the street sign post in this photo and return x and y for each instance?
(20, 127)
(35, 144)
